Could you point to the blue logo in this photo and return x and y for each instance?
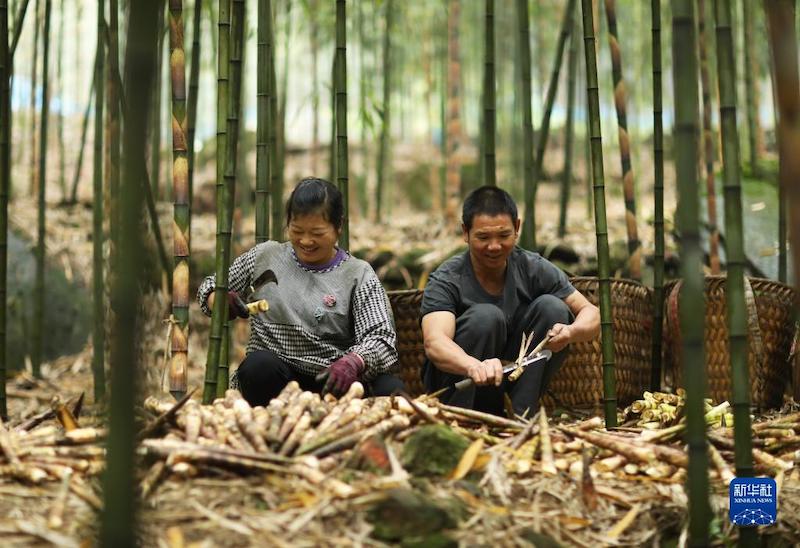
(753, 501)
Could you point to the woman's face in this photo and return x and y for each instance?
(313, 238)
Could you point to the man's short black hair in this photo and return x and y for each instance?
(488, 200)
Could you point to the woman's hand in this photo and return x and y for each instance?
(236, 306)
(342, 373)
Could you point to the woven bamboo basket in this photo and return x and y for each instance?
(580, 379)
(579, 382)
(770, 331)
(410, 348)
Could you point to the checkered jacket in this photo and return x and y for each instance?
(314, 317)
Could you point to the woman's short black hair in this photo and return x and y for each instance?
(314, 195)
(488, 200)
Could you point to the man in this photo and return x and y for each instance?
(478, 305)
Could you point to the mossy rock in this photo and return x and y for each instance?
(410, 518)
(433, 450)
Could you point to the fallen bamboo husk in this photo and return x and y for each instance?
(762, 457)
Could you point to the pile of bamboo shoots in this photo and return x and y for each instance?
(33, 452)
(300, 433)
(657, 410)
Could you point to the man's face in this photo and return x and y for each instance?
(491, 240)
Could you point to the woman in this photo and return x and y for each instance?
(328, 313)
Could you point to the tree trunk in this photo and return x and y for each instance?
(341, 119)
(98, 236)
(220, 311)
(692, 307)
(180, 183)
(263, 71)
(38, 319)
(453, 131)
(528, 239)
(658, 195)
(383, 152)
(119, 515)
(620, 103)
(708, 140)
(783, 40)
(601, 229)
(734, 288)
(489, 101)
(5, 158)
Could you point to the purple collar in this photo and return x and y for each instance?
(340, 256)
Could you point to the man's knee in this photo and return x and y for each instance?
(386, 385)
(552, 309)
(483, 317)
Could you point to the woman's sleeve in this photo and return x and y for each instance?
(239, 276)
(374, 333)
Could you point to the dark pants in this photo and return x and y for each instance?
(262, 375)
(483, 332)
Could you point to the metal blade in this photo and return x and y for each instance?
(263, 279)
(542, 355)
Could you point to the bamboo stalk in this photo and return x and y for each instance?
(692, 307)
(223, 220)
(708, 142)
(5, 183)
(734, 287)
(341, 120)
(383, 151)
(489, 101)
(264, 121)
(38, 317)
(658, 196)
(191, 103)
(180, 229)
(569, 130)
(601, 228)
(620, 104)
(528, 236)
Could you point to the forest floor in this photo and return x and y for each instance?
(225, 508)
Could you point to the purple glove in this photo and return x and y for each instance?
(342, 373)
(236, 306)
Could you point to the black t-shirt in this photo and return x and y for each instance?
(453, 286)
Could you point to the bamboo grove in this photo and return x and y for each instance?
(126, 158)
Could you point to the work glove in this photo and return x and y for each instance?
(236, 306)
(342, 373)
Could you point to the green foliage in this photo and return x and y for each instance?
(433, 450)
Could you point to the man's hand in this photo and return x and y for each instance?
(487, 372)
(342, 373)
(560, 336)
